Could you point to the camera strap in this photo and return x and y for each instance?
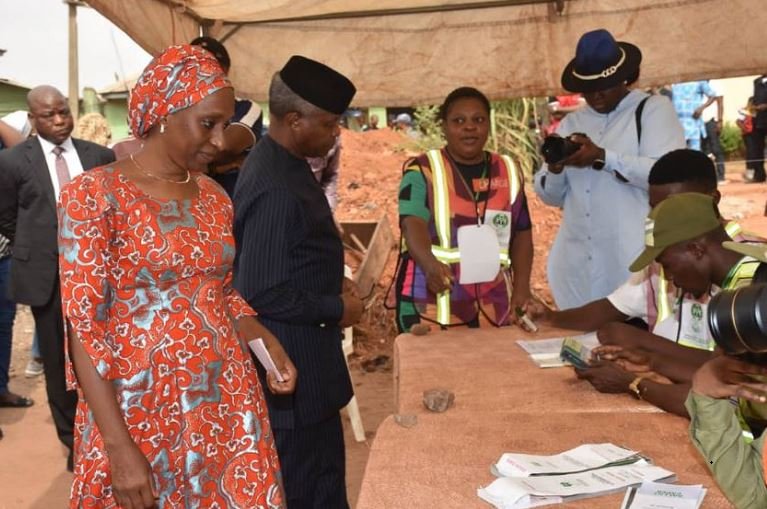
(638, 119)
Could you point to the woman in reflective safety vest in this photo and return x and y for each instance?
(443, 190)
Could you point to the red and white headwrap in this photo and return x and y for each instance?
(179, 77)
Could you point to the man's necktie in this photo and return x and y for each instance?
(62, 170)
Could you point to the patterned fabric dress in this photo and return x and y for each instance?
(145, 284)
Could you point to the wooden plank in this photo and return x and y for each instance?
(378, 249)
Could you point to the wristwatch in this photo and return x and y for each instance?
(599, 161)
(634, 386)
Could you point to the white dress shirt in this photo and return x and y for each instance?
(602, 228)
(69, 155)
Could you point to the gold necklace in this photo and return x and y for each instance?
(152, 175)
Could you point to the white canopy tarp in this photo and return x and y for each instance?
(406, 52)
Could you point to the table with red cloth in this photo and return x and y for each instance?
(504, 403)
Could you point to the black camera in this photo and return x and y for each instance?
(737, 320)
(556, 148)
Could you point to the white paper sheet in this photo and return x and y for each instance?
(578, 459)
(524, 492)
(653, 495)
(259, 348)
(541, 346)
(480, 254)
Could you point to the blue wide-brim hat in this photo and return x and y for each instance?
(600, 63)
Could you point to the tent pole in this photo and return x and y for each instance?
(74, 68)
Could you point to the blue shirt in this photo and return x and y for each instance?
(687, 97)
(602, 228)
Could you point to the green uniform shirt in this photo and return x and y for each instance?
(735, 463)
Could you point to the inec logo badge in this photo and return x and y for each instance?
(500, 221)
(697, 317)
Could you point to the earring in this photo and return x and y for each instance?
(162, 128)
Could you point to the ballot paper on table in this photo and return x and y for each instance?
(653, 495)
(581, 458)
(546, 353)
(524, 492)
(262, 354)
(479, 252)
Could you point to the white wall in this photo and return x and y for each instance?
(736, 92)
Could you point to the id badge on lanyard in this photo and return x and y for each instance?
(500, 220)
(480, 254)
(694, 330)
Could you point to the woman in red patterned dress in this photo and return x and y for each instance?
(171, 412)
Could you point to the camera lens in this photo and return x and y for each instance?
(556, 148)
(737, 319)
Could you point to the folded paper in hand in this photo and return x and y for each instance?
(259, 348)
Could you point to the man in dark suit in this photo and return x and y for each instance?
(31, 176)
(289, 267)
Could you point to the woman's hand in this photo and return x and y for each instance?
(132, 482)
(287, 370)
(521, 299)
(439, 277)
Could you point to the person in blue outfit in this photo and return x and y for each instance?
(602, 186)
(690, 99)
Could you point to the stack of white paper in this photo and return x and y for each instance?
(583, 457)
(545, 353)
(653, 495)
(586, 471)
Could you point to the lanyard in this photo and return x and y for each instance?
(475, 195)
